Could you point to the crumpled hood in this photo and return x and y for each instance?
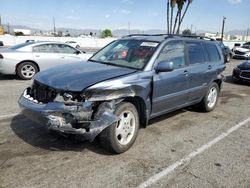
(244, 66)
(79, 76)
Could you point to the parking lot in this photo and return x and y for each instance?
(185, 148)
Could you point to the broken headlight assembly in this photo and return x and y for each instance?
(69, 98)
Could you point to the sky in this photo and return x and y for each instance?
(118, 14)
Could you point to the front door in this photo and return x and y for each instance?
(170, 89)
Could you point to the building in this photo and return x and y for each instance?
(24, 31)
(1, 30)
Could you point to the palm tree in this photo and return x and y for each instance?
(173, 3)
(168, 16)
(180, 4)
(180, 21)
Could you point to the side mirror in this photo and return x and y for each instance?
(164, 66)
(77, 52)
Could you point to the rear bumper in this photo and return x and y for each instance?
(75, 119)
(7, 67)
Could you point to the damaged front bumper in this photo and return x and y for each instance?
(79, 118)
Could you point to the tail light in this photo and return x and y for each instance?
(1, 56)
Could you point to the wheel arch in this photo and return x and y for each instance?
(31, 61)
(218, 82)
(140, 105)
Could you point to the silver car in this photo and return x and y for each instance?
(27, 59)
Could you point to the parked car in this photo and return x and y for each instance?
(227, 53)
(246, 44)
(242, 72)
(27, 59)
(73, 43)
(30, 40)
(125, 84)
(242, 52)
(1, 43)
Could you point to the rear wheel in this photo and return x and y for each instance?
(26, 70)
(120, 136)
(210, 100)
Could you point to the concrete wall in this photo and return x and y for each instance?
(90, 42)
(85, 42)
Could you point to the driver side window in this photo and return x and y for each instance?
(174, 51)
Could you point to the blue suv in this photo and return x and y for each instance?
(122, 86)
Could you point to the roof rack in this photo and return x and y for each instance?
(145, 35)
(171, 35)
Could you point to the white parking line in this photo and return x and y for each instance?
(8, 116)
(153, 179)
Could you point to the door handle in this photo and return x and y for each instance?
(37, 55)
(185, 72)
(62, 57)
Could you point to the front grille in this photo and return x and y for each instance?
(245, 75)
(42, 93)
(239, 53)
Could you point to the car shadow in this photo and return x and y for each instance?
(8, 77)
(39, 136)
(229, 80)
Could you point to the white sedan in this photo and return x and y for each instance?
(27, 59)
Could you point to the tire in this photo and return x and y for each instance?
(228, 58)
(26, 70)
(120, 136)
(210, 100)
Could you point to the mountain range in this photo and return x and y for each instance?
(116, 32)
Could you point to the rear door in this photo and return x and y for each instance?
(199, 69)
(170, 89)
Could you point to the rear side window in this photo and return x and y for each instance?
(213, 52)
(195, 52)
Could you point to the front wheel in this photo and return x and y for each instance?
(211, 98)
(120, 136)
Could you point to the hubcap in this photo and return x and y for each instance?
(125, 128)
(212, 97)
(28, 71)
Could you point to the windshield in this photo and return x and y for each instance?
(21, 45)
(126, 53)
(246, 47)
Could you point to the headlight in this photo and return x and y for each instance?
(59, 98)
(66, 98)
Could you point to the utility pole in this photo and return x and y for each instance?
(0, 21)
(223, 24)
(129, 28)
(247, 34)
(54, 23)
(8, 26)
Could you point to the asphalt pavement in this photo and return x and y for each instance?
(185, 148)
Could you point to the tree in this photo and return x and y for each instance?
(179, 16)
(19, 33)
(187, 32)
(180, 4)
(168, 17)
(188, 4)
(107, 33)
(173, 3)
